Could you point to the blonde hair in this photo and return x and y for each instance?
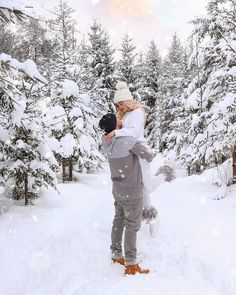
(130, 105)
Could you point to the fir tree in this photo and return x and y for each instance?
(67, 116)
(151, 94)
(211, 96)
(7, 40)
(31, 43)
(83, 61)
(140, 83)
(173, 84)
(101, 67)
(73, 127)
(127, 70)
(61, 76)
(27, 163)
(65, 48)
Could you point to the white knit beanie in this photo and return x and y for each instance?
(122, 93)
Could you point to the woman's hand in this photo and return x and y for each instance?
(109, 136)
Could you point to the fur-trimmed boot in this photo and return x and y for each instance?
(119, 260)
(168, 171)
(150, 217)
(134, 269)
(149, 214)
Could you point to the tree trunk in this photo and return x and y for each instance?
(70, 170)
(63, 170)
(26, 189)
(234, 164)
(189, 170)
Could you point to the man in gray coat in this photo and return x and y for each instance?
(126, 176)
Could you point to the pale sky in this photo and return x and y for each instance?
(144, 20)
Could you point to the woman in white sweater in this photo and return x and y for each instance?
(133, 119)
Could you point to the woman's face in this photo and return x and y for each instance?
(121, 106)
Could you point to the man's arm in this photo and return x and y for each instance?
(103, 147)
(142, 151)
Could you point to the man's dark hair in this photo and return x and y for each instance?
(108, 122)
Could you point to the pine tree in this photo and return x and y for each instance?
(101, 68)
(177, 126)
(84, 75)
(61, 77)
(151, 95)
(127, 70)
(8, 90)
(8, 13)
(67, 117)
(139, 89)
(27, 163)
(89, 158)
(31, 43)
(173, 84)
(73, 126)
(65, 47)
(211, 96)
(7, 40)
(152, 74)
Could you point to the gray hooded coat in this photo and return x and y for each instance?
(126, 175)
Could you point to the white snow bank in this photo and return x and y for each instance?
(5, 203)
(219, 175)
(61, 244)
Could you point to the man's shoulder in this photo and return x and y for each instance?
(120, 147)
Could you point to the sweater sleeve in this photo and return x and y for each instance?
(134, 127)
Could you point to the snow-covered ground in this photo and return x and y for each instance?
(60, 246)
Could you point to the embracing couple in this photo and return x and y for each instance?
(129, 159)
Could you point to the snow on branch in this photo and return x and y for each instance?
(12, 9)
(70, 88)
(27, 67)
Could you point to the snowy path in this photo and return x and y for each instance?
(61, 245)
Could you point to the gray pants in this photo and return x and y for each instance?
(128, 215)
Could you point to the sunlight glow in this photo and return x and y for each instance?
(95, 2)
(133, 8)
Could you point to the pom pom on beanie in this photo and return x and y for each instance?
(121, 85)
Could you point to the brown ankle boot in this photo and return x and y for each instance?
(133, 269)
(119, 260)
